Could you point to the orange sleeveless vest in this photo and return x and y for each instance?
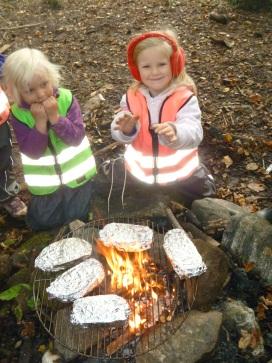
(145, 158)
(4, 107)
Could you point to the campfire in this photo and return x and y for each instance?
(144, 279)
(135, 277)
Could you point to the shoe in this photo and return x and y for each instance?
(15, 207)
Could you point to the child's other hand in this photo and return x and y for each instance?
(40, 117)
(166, 129)
(51, 109)
(126, 123)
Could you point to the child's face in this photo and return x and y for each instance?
(155, 69)
(38, 90)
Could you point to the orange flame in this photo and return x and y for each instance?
(132, 274)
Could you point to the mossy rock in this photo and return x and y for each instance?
(21, 276)
(30, 249)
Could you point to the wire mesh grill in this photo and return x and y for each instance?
(115, 342)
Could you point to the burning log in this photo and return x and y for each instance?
(119, 342)
(147, 313)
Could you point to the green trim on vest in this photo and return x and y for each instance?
(53, 152)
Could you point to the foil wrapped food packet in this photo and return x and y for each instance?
(100, 310)
(182, 253)
(127, 237)
(63, 254)
(78, 281)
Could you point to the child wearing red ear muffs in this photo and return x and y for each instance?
(160, 120)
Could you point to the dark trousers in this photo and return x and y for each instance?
(8, 186)
(60, 208)
(199, 185)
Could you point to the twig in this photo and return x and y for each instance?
(196, 232)
(21, 26)
(119, 342)
(173, 219)
(106, 148)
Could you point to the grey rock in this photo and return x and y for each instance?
(196, 337)
(211, 283)
(210, 209)
(249, 238)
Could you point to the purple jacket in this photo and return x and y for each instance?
(69, 128)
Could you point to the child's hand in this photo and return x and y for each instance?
(126, 123)
(51, 109)
(40, 117)
(166, 129)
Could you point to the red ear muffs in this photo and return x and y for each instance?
(177, 58)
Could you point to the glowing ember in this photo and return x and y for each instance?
(135, 276)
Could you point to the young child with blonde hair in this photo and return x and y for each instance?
(57, 160)
(9, 187)
(160, 120)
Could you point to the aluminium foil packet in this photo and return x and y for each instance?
(100, 310)
(77, 281)
(63, 254)
(127, 237)
(182, 253)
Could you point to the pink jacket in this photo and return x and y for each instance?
(4, 107)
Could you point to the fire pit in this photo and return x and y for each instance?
(154, 292)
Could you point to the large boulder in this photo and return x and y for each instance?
(211, 283)
(249, 238)
(196, 338)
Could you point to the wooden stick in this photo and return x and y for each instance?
(191, 288)
(173, 219)
(196, 232)
(21, 26)
(119, 342)
(106, 148)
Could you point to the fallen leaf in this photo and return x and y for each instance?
(244, 341)
(227, 161)
(42, 348)
(226, 89)
(239, 199)
(256, 187)
(267, 300)
(255, 98)
(256, 338)
(249, 266)
(252, 166)
(249, 339)
(5, 47)
(231, 82)
(228, 138)
(28, 329)
(268, 143)
(261, 311)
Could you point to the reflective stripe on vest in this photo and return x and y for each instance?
(169, 165)
(35, 178)
(61, 163)
(4, 107)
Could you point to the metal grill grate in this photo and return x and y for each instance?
(114, 342)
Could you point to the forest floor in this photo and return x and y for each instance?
(230, 61)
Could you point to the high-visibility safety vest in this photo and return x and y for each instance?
(61, 164)
(145, 158)
(4, 107)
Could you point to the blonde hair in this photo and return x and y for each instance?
(183, 79)
(21, 66)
